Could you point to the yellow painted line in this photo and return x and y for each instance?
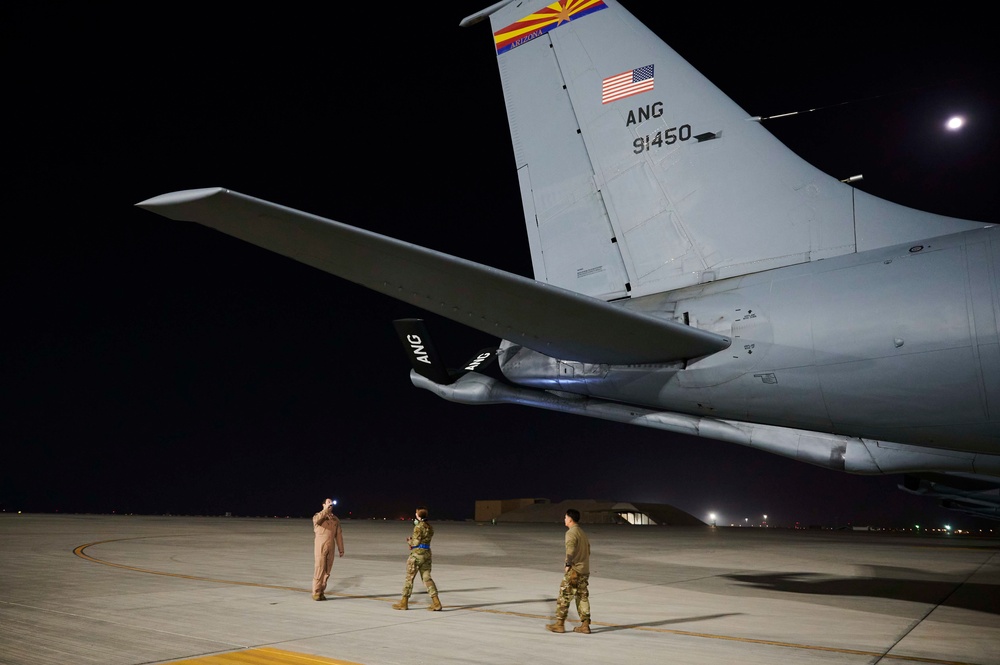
(263, 656)
(267, 659)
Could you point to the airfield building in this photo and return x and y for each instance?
(591, 512)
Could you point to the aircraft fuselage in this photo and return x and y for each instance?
(898, 344)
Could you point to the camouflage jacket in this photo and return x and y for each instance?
(422, 534)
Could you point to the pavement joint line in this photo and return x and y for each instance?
(931, 610)
(80, 551)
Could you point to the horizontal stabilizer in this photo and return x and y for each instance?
(546, 318)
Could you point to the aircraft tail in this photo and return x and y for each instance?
(638, 175)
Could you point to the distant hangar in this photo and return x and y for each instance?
(591, 512)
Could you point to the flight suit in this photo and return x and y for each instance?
(326, 526)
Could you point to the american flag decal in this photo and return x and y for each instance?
(627, 84)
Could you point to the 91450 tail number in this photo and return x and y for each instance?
(661, 138)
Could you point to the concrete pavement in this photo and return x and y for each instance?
(213, 590)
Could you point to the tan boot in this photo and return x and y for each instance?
(401, 605)
(584, 628)
(435, 604)
(558, 627)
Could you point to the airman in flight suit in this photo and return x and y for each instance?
(326, 526)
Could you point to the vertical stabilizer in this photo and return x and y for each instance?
(638, 175)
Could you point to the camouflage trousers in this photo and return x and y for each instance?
(419, 562)
(574, 585)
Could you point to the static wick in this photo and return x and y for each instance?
(762, 118)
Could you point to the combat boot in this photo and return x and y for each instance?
(584, 627)
(558, 627)
(435, 604)
(401, 605)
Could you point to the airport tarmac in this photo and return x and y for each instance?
(114, 590)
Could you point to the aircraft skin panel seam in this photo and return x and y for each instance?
(575, 246)
(617, 233)
(854, 216)
(982, 309)
(970, 308)
(599, 175)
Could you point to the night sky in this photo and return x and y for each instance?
(153, 366)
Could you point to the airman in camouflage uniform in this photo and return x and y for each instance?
(575, 578)
(419, 561)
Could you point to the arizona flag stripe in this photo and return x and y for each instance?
(537, 24)
(627, 84)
